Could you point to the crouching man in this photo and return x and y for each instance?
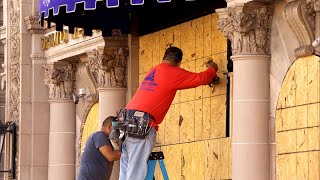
(98, 155)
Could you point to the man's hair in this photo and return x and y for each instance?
(173, 54)
(108, 121)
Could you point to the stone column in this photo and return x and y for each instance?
(59, 77)
(40, 117)
(108, 66)
(247, 26)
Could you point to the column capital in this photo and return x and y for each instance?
(33, 26)
(247, 26)
(107, 66)
(60, 79)
(302, 16)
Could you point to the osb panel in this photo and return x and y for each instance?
(301, 79)
(187, 125)
(198, 124)
(155, 48)
(221, 87)
(161, 133)
(192, 160)
(286, 142)
(218, 43)
(188, 94)
(207, 43)
(172, 158)
(287, 119)
(302, 116)
(286, 167)
(213, 160)
(288, 94)
(302, 166)
(188, 40)
(313, 79)
(302, 141)
(173, 36)
(218, 116)
(91, 124)
(172, 125)
(206, 119)
(199, 23)
(314, 165)
(145, 57)
(313, 114)
(313, 138)
(225, 160)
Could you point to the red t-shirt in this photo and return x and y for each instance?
(156, 93)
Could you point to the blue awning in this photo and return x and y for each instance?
(46, 5)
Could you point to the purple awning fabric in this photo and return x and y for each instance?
(46, 5)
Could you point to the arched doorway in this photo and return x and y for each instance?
(297, 122)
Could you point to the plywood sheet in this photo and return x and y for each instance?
(286, 142)
(199, 23)
(172, 160)
(218, 116)
(198, 123)
(313, 79)
(145, 57)
(188, 40)
(199, 68)
(220, 88)
(207, 43)
(302, 116)
(313, 114)
(188, 94)
(302, 166)
(225, 160)
(206, 118)
(193, 160)
(314, 165)
(187, 126)
(161, 133)
(288, 117)
(213, 159)
(219, 42)
(313, 138)
(288, 94)
(155, 48)
(172, 125)
(301, 80)
(162, 44)
(286, 167)
(302, 140)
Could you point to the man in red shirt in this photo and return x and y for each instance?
(152, 101)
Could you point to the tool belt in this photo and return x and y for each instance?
(136, 124)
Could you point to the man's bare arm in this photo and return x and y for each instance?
(109, 153)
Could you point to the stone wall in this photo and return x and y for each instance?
(193, 134)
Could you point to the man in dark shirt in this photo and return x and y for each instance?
(98, 155)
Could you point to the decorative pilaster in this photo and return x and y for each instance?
(60, 79)
(303, 16)
(108, 66)
(248, 28)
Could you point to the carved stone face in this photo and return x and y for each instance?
(120, 75)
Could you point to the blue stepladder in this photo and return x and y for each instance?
(153, 158)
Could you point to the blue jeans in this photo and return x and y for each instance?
(135, 155)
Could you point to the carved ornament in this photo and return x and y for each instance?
(13, 66)
(248, 27)
(303, 16)
(33, 26)
(108, 66)
(60, 79)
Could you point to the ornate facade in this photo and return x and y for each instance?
(38, 84)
